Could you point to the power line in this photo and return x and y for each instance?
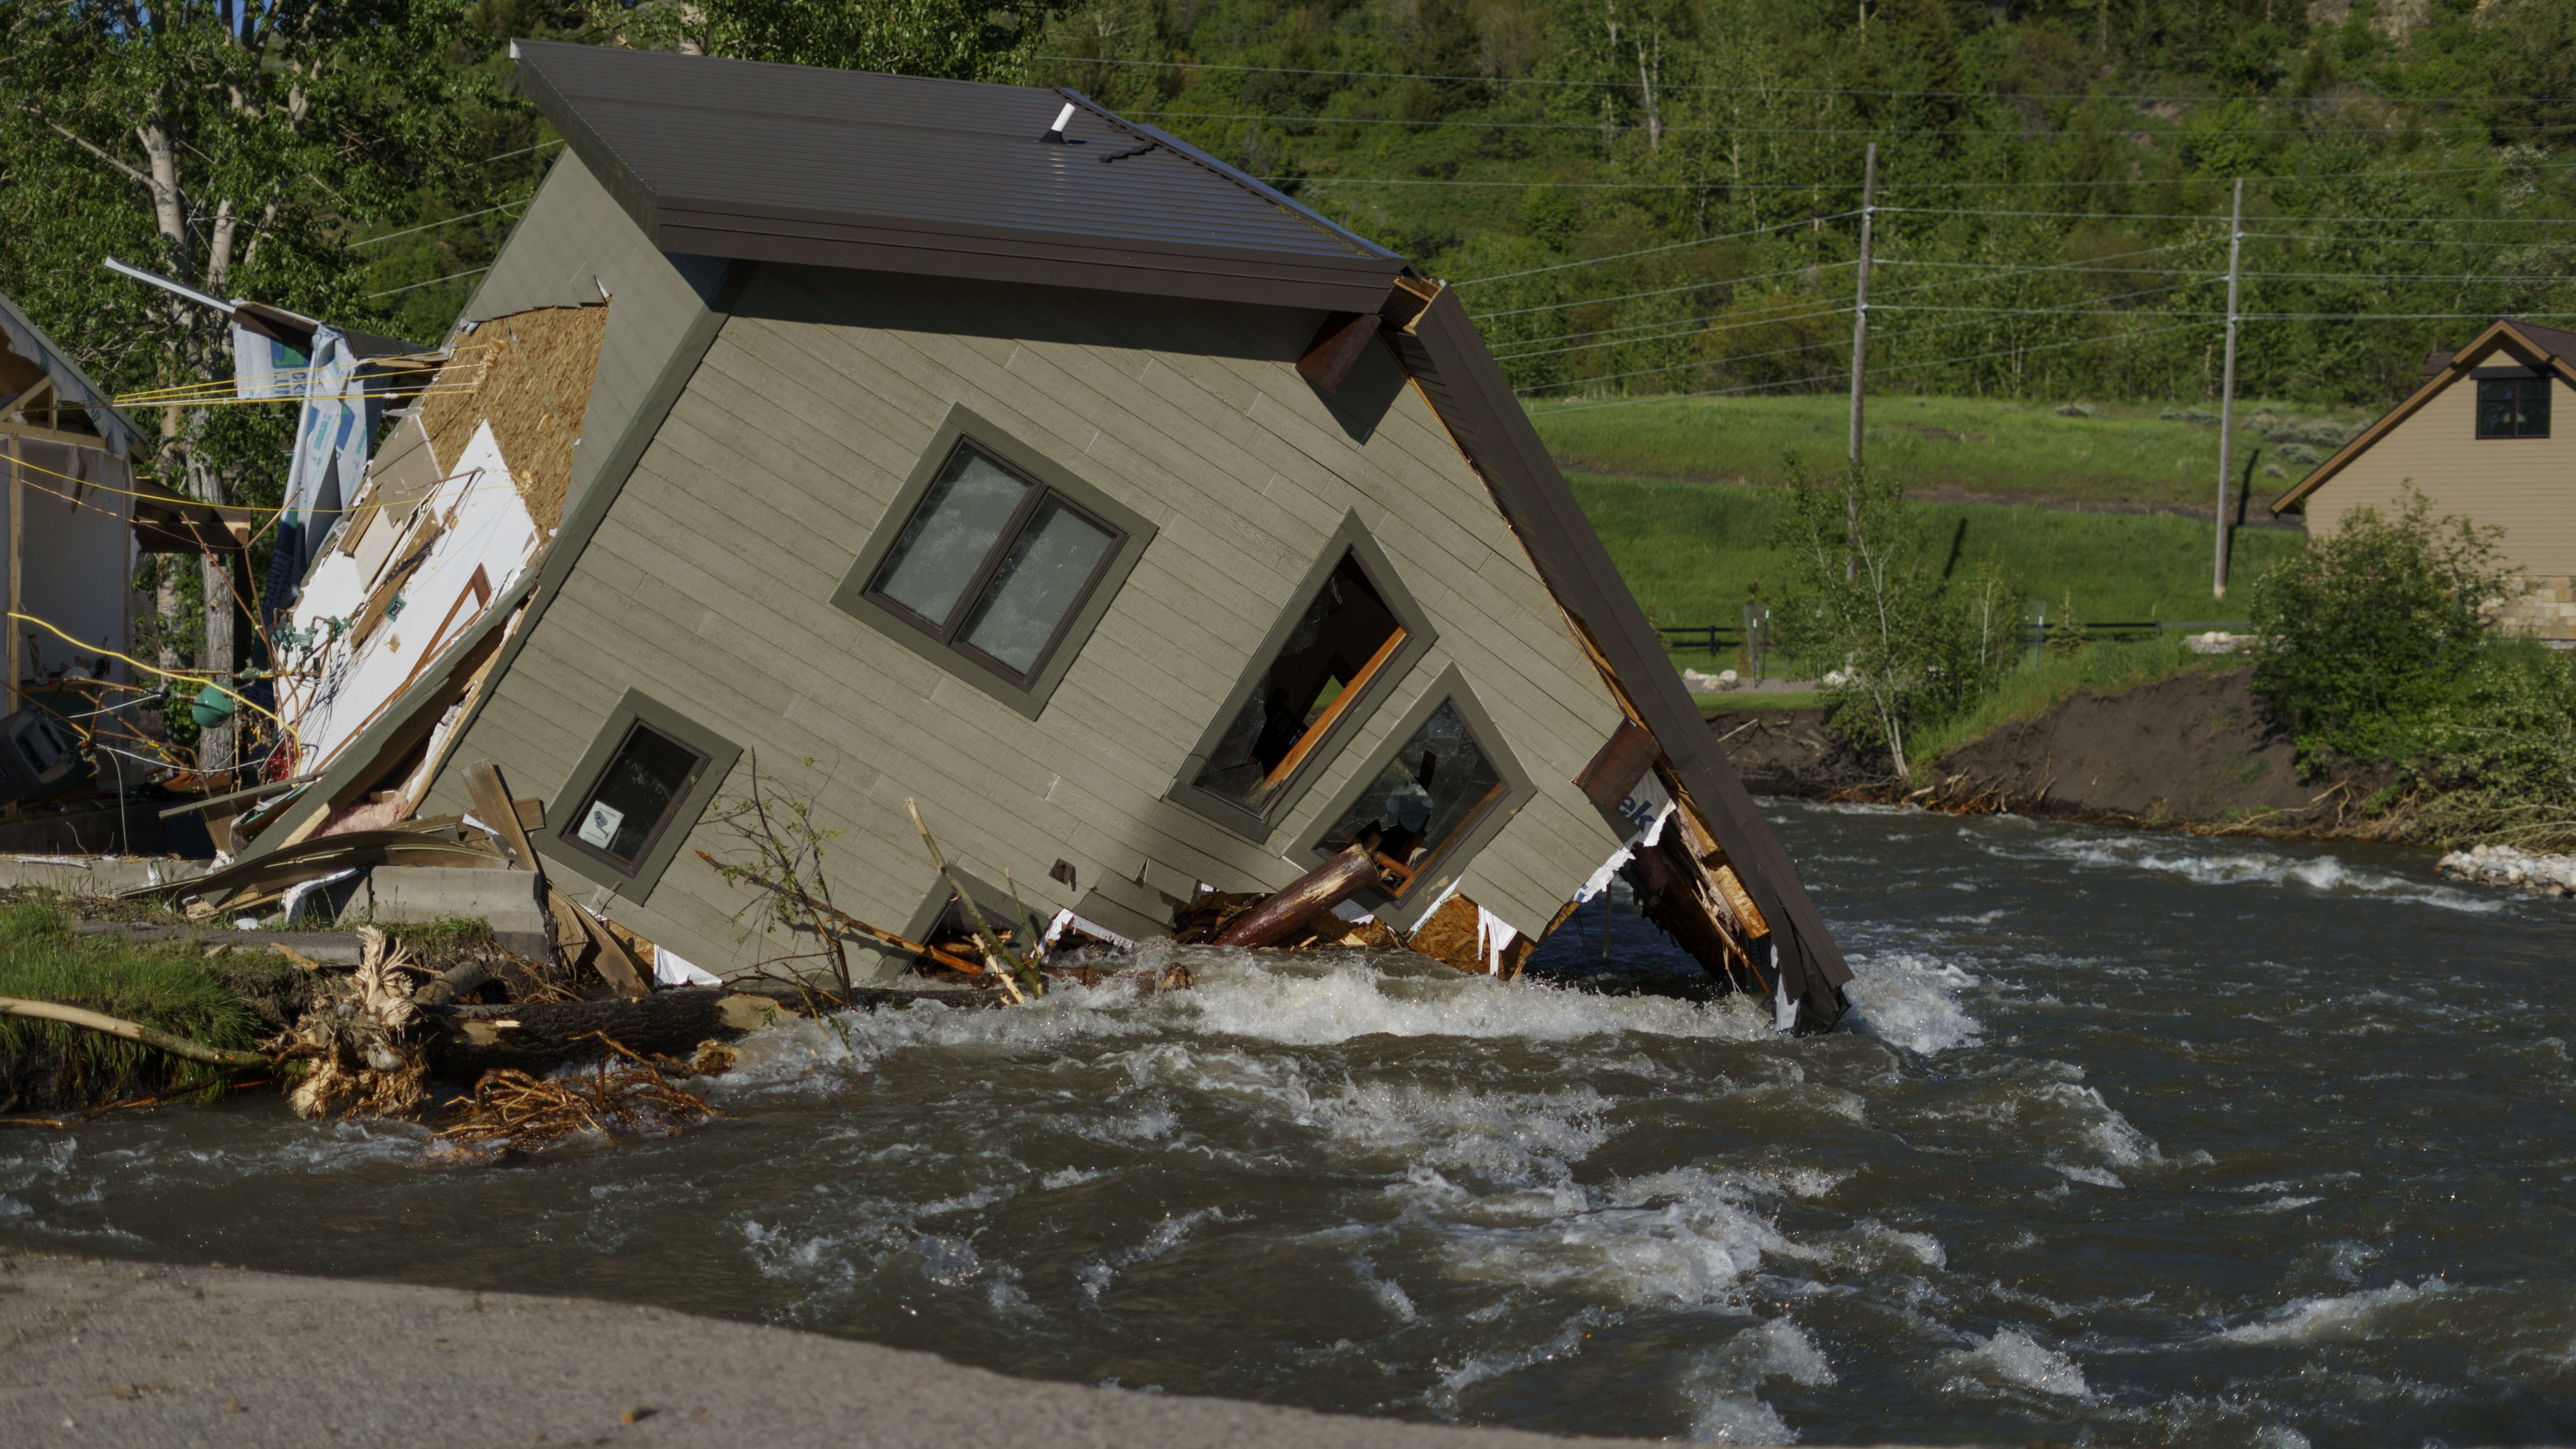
(1747, 90)
(435, 225)
(1649, 251)
(1874, 131)
(1328, 180)
(2276, 220)
(432, 282)
(2276, 276)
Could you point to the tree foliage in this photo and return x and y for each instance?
(1872, 598)
(2375, 623)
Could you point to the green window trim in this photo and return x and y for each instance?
(1054, 494)
(1349, 541)
(569, 806)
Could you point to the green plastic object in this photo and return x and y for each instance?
(212, 708)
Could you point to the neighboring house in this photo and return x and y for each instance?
(967, 444)
(2490, 436)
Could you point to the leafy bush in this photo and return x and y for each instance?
(2373, 626)
(2501, 752)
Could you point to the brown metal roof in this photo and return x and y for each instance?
(786, 163)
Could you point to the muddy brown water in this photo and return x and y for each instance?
(2129, 1138)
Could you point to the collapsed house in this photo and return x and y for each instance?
(80, 513)
(969, 447)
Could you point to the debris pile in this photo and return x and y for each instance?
(2517, 869)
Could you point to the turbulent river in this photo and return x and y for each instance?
(2128, 1137)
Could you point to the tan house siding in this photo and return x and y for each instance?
(709, 583)
(2527, 486)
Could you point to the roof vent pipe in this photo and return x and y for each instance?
(1055, 133)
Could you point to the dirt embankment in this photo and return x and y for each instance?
(2195, 750)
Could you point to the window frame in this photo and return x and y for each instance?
(1441, 869)
(1315, 754)
(1027, 692)
(2522, 380)
(572, 798)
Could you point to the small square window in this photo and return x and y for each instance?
(625, 814)
(2513, 407)
(632, 798)
(1346, 638)
(995, 564)
(1439, 784)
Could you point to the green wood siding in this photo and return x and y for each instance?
(709, 585)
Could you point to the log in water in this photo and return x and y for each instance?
(2140, 1137)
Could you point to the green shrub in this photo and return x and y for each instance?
(2501, 752)
(2373, 625)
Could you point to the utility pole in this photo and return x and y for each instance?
(1860, 357)
(1860, 305)
(2227, 392)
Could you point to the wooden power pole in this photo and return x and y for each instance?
(1860, 301)
(2227, 392)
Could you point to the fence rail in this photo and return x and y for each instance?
(1716, 637)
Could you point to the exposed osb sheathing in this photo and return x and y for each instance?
(1453, 937)
(529, 376)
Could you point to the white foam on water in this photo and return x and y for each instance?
(2322, 874)
(1912, 1002)
(2351, 1316)
(1723, 1388)
(2014, 1357)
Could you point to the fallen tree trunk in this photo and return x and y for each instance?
(537, 1038)
(130, 1030)
(1302, 900)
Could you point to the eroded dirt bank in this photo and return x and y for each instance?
(2193, 751)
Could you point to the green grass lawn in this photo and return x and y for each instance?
(1958, 446)
(1690, 550)
(1713, 705)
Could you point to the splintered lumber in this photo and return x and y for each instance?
(494, 807)
(255, 881)
(177, 1046)
(617, 966)
(1290, 909)
(1676, 893)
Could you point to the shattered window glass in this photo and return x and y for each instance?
(1345, 637)
(648, 775)
(995, 562)
(1425, 798)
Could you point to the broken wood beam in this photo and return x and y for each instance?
(1336, 348)
(1291, 909)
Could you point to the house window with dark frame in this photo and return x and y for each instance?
(2513, 407)
(1430, 795)
(1346, 640)
(995, 564)
(624, 814)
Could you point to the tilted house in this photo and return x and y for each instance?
(968, 445)
(2478, 439)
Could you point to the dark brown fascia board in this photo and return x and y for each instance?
(1463, 383)
(1275, 287)
(2461, 363)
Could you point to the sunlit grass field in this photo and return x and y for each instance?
(1691, 551)
(2127, 455)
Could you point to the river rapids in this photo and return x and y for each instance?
(2128, 1137)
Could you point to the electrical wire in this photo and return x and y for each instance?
(1750, 90)
(1669, 130)
(1650, 251)
(416, 286)
(200, 676)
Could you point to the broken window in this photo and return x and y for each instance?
(2513, 407)
(995, 564)
(1347, 638)
(1439, 784)
(636, 797)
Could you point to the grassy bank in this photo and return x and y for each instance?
(175, 989)
(2130, 454)
(1690, 550)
